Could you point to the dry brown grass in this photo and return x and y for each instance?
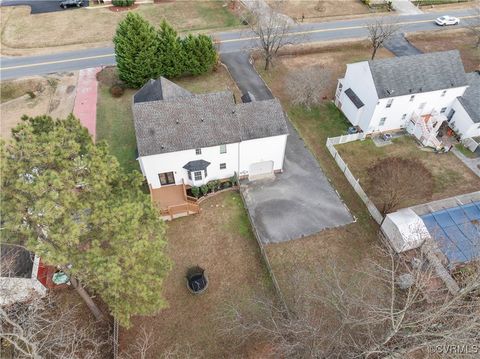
(451, 176)
(449, 39)
(315, 10)
(96, 27)
(53, 95)
(220, 240)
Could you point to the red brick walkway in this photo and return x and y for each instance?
(85, 107)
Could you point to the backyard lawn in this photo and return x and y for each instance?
(114, 115)
(24, 32)
(451, 176)
(220, 240)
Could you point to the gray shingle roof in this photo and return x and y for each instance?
(161, 89)
(471, 98)
(198, 165)
(354, 98)
(177, 124)
(418, 73)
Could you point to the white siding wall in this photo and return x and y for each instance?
(262, 149)
(434, 101)
(359, 78)
(258, 150)
(461, 120)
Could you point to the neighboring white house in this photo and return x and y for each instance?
(418, 92)
(187, 140)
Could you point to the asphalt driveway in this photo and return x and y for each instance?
(298, 202)
(40, 6)
(400, 46)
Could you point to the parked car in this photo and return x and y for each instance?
(447, 20)
(352, 130)
(67, 3)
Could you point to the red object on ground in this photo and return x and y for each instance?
(85, 107)
(44, 274)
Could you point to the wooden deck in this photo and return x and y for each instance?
(173, 202)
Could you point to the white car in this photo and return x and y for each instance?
(447, 20)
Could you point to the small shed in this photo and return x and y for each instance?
(405, 230)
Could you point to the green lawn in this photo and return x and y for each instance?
(115, 125)
(465, 151)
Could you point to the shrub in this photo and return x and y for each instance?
(213, 185)
(117, 90)
(234, 180)
(123, 2)
(195, 191)
(204, 189)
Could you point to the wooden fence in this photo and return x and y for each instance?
(354, 182)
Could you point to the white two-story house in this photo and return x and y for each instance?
(187, 140)
(417, 92)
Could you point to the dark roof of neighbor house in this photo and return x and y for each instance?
(16, 262)
(354, 98)
(406, 75)
(183, 123)
(198, 165)
(161, 89)
(471, 98)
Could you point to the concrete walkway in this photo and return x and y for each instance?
(405, 7)
(472, 163)
(264, 11)
(298, 202)
(400, 46)
(85, 107)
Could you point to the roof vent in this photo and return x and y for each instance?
(177, 122)
(410, 90)
(162, 147)
(420, 89)
(233, 111)
(202, 119)
(388, 92)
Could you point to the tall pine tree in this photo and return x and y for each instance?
(200, 54)
(136, 50)
(170, 52)
(66, 199)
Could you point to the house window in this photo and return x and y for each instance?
(166, 178)
(382, 121)
(444, 92)
(223, 166)
(189, 175)
(340, 86)
(422, 105)
(223, 148)
(443, 110)
(412, 97)
(205, 173)
(197, 175)
(198, 151)
(389, 103)
(404, 116)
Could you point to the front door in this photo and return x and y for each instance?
(166, 178)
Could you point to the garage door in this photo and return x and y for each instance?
(260, 169)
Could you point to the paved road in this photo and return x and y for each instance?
(39, 6)
(12, 67)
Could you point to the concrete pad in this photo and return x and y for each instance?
(296, 203)
(85, 108)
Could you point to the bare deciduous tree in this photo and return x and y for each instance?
(40, 328)
(271, 28)
(307, 86)
(397, 314)
(392, 181)
(379, 32)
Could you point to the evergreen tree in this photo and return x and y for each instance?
(66, 199)
(170, 52)
(136, 50)
(200, 54)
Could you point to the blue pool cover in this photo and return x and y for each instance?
(456, 231)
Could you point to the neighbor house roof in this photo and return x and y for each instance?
(471, 98)
(354, 98)
(196, 121)
(406, 75)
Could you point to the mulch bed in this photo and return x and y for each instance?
(122, 8)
